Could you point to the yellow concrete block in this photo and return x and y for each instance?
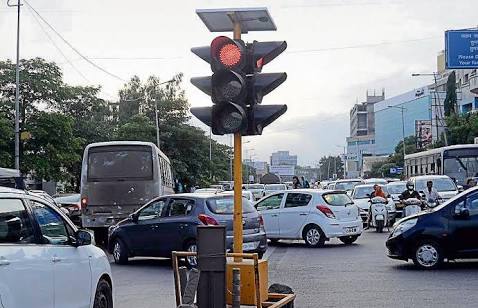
(248, 289)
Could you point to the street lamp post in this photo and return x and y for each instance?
(437, 101)
(17, 89)
(402, 109)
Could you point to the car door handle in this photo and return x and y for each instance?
(303, 214)
(154, 227)
(4, 262)
(275, 215)
(55, 259)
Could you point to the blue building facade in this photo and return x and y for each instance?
(388, 118)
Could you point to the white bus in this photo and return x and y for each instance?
(457, 161)
(117, 178)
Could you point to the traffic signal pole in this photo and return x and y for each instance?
(237, 223)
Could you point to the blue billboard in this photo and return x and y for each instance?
(461, 49)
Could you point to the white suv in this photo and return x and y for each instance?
(312, 215)
(45, 261)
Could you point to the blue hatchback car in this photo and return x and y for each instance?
(169, 223)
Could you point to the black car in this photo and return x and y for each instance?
(169, 223)
(449, 231)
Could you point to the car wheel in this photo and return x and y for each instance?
(428, 255)
(274, 241)
(313, 236)
(120, 252)
(103, 295)
(191, 262)
(348, 240)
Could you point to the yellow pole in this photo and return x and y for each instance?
(237, 224)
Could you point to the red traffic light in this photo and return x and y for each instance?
(227, 53)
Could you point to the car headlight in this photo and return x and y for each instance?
(404, 226)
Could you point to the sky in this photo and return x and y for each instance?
(337, 50)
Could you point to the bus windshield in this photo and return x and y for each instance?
(461, 168)
(440, 184)
(120, 163)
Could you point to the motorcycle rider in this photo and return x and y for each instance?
(377, 192)
(431, 194)
(410, 192)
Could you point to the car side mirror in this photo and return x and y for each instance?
(368, 195)
(134, 217)
(83, 238)
(462, 212)
(460, 188)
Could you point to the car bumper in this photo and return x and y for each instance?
(396, 248)
(256, 242)
(343, 228)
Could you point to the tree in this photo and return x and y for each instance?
(330, 165)
(51, 148)
(462, 129)
(6, 141)
(450, 103)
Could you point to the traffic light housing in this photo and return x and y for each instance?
(237, 86)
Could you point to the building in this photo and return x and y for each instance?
(261, 167)
(416, 106)
(283, 158)
(362, 134)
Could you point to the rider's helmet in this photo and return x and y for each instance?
(410, 186)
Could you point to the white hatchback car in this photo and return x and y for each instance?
(312, 215)
(45, 261)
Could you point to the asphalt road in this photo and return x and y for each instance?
(336, 275)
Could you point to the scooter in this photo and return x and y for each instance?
(379, 213)
(412, 206)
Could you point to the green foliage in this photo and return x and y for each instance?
(462, 129)
(6, 141)
(450, 103)
(330, 165)
(52, 147)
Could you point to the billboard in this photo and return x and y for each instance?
(423, 133)
(461, 49)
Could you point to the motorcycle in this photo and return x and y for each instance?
(379, 213)
(412, 206)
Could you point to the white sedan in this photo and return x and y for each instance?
(45, 261)
(312, 215)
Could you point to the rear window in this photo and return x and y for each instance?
(337, 199)
(255, 187)
(71, 198)
(440, 184)
(275, 187)
(225, 205)
(134, 163)
(346, 185)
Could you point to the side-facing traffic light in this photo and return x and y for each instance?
(237, 87)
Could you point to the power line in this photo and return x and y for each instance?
(57, 47)
(364, 45)
(71, 46)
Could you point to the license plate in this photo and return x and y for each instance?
(350, 229)
(250, 246)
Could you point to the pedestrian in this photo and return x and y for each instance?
(296, 183)
(305, 183)
(470, 182)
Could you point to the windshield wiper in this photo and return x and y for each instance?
(461, 163)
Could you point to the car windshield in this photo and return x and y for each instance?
(440, 184)
(337, 199)
(225, 205)
(396, 189)
(275, 187)
(346, 185)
